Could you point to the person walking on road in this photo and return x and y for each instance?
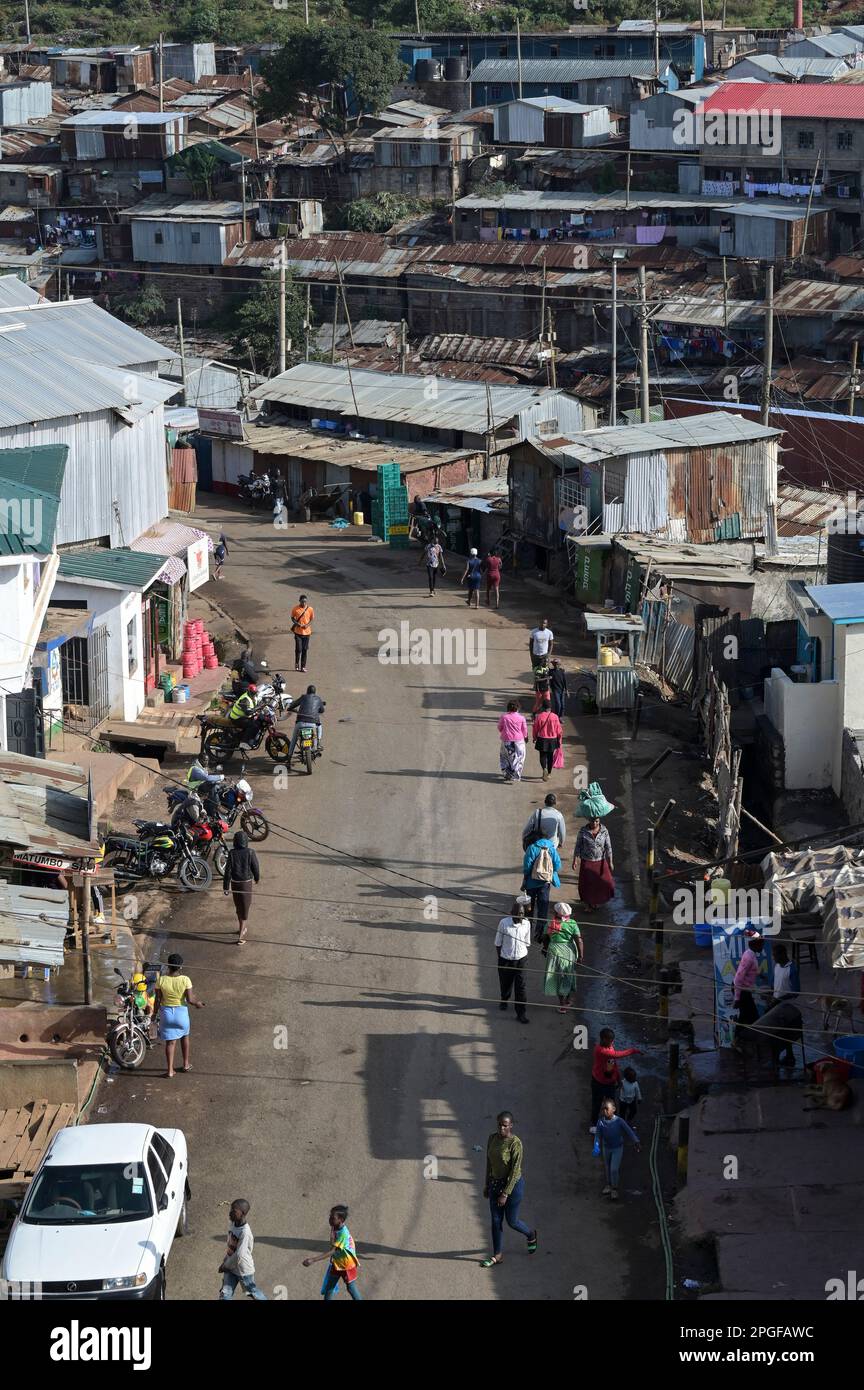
(540, 875)
(302, 618)
(558, 687)
(492, 571)
(342, 1257)
(563, 951)
(174, 994)
(505, 1187)
(472, 573)
(237, 1265)
(611, 1131)
(744, 985)
(546, 823)
(629, 1095)
(592, 861)
(432, 556)
(540, 643)
(220, 555)
(513, 731)
(547, 734)
(512, 940)
(241, 870)
(605, 1075)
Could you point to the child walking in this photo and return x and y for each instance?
(611, 1130)
(629, 1095)
(237, 1266)
(342, 1255)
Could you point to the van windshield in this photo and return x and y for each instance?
(91, 1193)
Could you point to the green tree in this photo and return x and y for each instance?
(197, 23)
(380, 212)
(255, 325)
(199, 164)
(329, 67)
(147, 306)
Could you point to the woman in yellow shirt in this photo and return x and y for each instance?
(173, 995)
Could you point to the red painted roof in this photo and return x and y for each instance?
(819, 100)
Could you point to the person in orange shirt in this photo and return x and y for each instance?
(302, 618)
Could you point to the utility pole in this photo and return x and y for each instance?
(85, 935)
(182, 348)
(810, 203)
(613, 403)
(550, 338)
(27, 19)
(452, 199)
(657, 39)
(643, 348)
(725, 296)
(768, 356)
(345, 307)
(282, 277)
(543, 319)
(307, 322)
(490, 426)
(161, 75)
(519, 57)
(335, 323)
(254, 114)
(627, 192)
(853, 378)
(702, 17)
(416, 15)
(403, 347)
(306, 12)
(243, 192)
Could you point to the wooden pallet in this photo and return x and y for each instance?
(25, 1133)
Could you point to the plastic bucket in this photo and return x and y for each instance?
(358, 519)
(211, 662)
(702, 933)
(851, 1049)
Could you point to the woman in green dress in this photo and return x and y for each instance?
(563, 950)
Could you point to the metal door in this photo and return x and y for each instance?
(24, 729)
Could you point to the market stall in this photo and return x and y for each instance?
(617, 650)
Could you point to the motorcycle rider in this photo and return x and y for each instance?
(203, 784)
(308, 708)
(241, 715)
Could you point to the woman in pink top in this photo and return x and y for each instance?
(744, 984)
(514, 732)
(547, 738)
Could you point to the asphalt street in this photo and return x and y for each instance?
(353, 1050)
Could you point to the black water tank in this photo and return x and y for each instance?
(845, 558)
(428, 70)
(456, 70)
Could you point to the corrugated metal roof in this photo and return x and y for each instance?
(32, 476)
(455, 405)
(461, 347)
(842, 603)
(101, 117)
(847, 267)
(794, 68)
(812, 297)
(564, 69)
(547, 200)
(163, 207)
(805, 510)
(711, 430)
(46, 806)
(716, 315)
(80, 328)
(38, 386)
(118, 569)
(13, 214)
(838, 45)
(366, 454)
(14, 292)
(833, 101)
(479, 495)
(813, 380)
(555, 104)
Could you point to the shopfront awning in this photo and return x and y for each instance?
(171, 539)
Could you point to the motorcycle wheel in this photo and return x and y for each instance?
(307, 758)
(124, 879)
(216, 748)
(220, 859)
(278, 746)
(255, 826)
(127, 1047)
(195, 873)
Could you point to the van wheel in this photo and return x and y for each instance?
(162, 1294)
(182, 1221)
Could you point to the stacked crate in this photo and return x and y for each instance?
(390, 508)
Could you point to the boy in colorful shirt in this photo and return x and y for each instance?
(342, 1255)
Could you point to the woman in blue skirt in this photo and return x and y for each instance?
(174, 994)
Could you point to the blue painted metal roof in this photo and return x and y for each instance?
(842, 603)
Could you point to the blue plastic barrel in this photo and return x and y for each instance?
(851, 1049)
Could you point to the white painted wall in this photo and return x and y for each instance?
(113, 608)
(809, 720)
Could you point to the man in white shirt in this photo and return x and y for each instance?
(512, 940)
(540, 643)
(546, 823)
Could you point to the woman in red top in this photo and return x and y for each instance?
(604, 1071)
(547, 734)
(492, 570)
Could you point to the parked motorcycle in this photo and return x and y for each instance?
(156, 853)
(306, 746)
(235, 800)
(270, 693)
(254, 490)
(129, 1036)
(221, 738)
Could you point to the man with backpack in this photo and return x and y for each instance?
(539, 875)
(546, 823)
